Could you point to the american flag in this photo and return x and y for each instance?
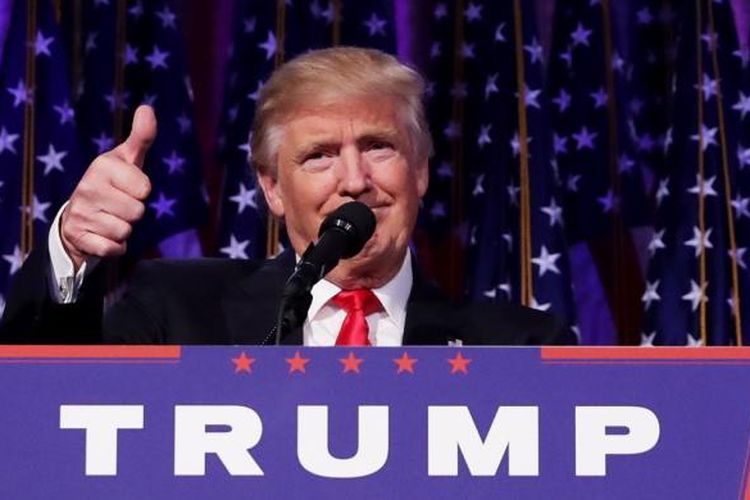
(266, 34)
(39, 156)
(605, 198)
(697, 288)
(494, 181)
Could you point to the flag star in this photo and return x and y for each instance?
(645, 142)
(157, 58)
(473, 12)
(644, 16)
(648, 340)
(585, 139)
(743, 55)
(163, 206)
(530, 97)
(515, 144)
(247, 148)
(546, 261)
(459, 90)
(20, 93)
(452, 130)
(696, 295)
(709, 87)
(235, 249)
(254, 96)
(484, 136)
(706, 188)
(375, 25)
(508, 237)
(567, 57)
(184, 123)
(441, 11)
(438, 210)
(657, 242)
(707, 137)
(167, 17)
(693, 342)
(130, 55)
(668, 140)
(636, 105)
(52, 160)
(699, 241)
(618, 63)
(662, 192)
(560, 143)
(435, 50)
(245, 198)
(248, 25)
(738, 255)
(269, 45)
(478, 186)
(103, 142)
(740, 205)
(625, 164)
(136, 10)
(149, 99)
(429, 90)
(117, 100)
(15, 259)
(743, 105)
(572, 183)
(499, 35)
(539, 307)
(563, 100)
(41, 44)
(651, 295)
(175, 162)
(445, 170)
(90, 43)
(535, 51)
(580, 36)
(37, 209)
(467, 50)
(7, 140)
(513, 194)
(609, 202)
(600, 98)
(99, 3)
(555, 213)
(711, 39)
(743, 156)
(490, 87)
(67, 114)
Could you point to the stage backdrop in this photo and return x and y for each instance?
(590, 155)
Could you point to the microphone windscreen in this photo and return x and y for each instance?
(356, 220)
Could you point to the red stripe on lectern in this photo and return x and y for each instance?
(90, 351)
(645, 353)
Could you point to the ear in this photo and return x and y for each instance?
(270, 185)
(423, 177)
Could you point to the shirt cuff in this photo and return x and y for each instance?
(65, 282)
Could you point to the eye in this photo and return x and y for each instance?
(317, 160)
(379, 145)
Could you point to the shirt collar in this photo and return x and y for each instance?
(393, 295)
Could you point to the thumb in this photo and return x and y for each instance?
(142, 135)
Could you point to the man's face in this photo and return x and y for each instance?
(354, 150)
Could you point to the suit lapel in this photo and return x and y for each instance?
(430, 316)
(251, 305)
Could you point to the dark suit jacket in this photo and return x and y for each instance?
(220, 301)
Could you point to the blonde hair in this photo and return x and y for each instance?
(326, 76)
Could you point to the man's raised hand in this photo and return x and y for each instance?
(110, 197)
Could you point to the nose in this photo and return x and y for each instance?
(354, 174)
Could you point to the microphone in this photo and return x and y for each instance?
(342, 234)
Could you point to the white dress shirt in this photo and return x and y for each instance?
(324, 319)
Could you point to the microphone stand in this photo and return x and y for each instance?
(296, 298)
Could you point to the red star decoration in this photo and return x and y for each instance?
(297, 363)
(405, 363)
(243, 363)
(459, 364)
(351, 363)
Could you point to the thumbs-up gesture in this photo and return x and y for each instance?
(109, 198)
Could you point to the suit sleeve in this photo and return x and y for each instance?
(33, 317)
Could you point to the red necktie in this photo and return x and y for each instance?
(358, 304)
